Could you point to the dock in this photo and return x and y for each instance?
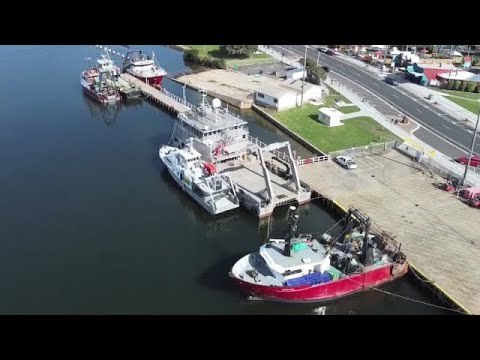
(165, 99)
(438, 232)
(253, 186)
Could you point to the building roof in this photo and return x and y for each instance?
(330, 111)
(296, 85)
(458, 75)
(274, 91)
(436, 66)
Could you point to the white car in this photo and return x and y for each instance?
(346, 162)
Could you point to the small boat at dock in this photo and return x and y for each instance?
(94, 85)
(214, 192)
(112, 77)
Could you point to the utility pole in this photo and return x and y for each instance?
(304, 74)
(471, 150)
(318, 57)
(384, 57)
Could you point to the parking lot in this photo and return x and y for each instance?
(364, 163)
(435, 227)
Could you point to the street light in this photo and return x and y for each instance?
(471, 150)
(304, 74)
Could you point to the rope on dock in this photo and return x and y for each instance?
(420, 302)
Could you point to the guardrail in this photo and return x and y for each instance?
(313, 160)
(177, 98)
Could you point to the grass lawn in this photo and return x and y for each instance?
(348, 109)
(358, 131)
(336, 95)
(469, 104)
(459, 93)
(214, 51)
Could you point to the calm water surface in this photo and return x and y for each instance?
(89, 222)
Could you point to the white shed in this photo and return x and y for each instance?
(276, 98)
(330, 116)
(310, 91)
(296, 73)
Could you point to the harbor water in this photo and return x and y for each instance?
(90, 223)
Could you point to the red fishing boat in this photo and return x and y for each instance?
(316, 268)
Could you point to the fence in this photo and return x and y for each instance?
(313, 160)
(364, 150)
(178, 99)
(280, 57)
(448, 170)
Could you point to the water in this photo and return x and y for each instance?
(90, 224)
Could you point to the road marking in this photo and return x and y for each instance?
(420, 111)
(435, 132)
(395, 96)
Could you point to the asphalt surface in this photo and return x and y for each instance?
(438, 130)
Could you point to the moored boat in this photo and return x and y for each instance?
(144, 68)
(214, 192)
(312, 268)
(95, 86)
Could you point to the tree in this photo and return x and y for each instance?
(315, 73)
(239, 51)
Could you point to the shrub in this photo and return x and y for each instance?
(463, 85)
(471, 86)
(239, 51)
(457, 84)
(450, 84)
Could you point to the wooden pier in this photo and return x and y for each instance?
(165, 99)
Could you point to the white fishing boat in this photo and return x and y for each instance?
(199, 179)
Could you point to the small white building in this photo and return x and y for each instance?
(330, 116)
(287, 95)
(311, 92)
(274, 97)
(296, 73)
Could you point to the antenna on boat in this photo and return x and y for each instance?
(292, 220)
(216, 103)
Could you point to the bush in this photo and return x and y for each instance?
(471, 86)
(477, 89)
(450, 84)
(239, 51)
(463, 85)
(457, 84)
(193, 56)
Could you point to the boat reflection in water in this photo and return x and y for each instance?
(108, 113)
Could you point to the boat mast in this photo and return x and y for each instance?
(292, 220)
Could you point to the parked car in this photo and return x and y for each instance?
(346, 162)
(391, 81)
(475, 161)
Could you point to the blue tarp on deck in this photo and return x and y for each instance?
(310, 279)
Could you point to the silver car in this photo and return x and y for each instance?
(346, 162)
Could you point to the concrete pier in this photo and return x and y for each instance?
(167, 101)
(438, 232)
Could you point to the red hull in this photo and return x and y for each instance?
(155, 81)
(326, 291)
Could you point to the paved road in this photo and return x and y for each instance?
(438, 130)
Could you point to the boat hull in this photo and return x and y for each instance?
(155, 81)
(323, 292)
